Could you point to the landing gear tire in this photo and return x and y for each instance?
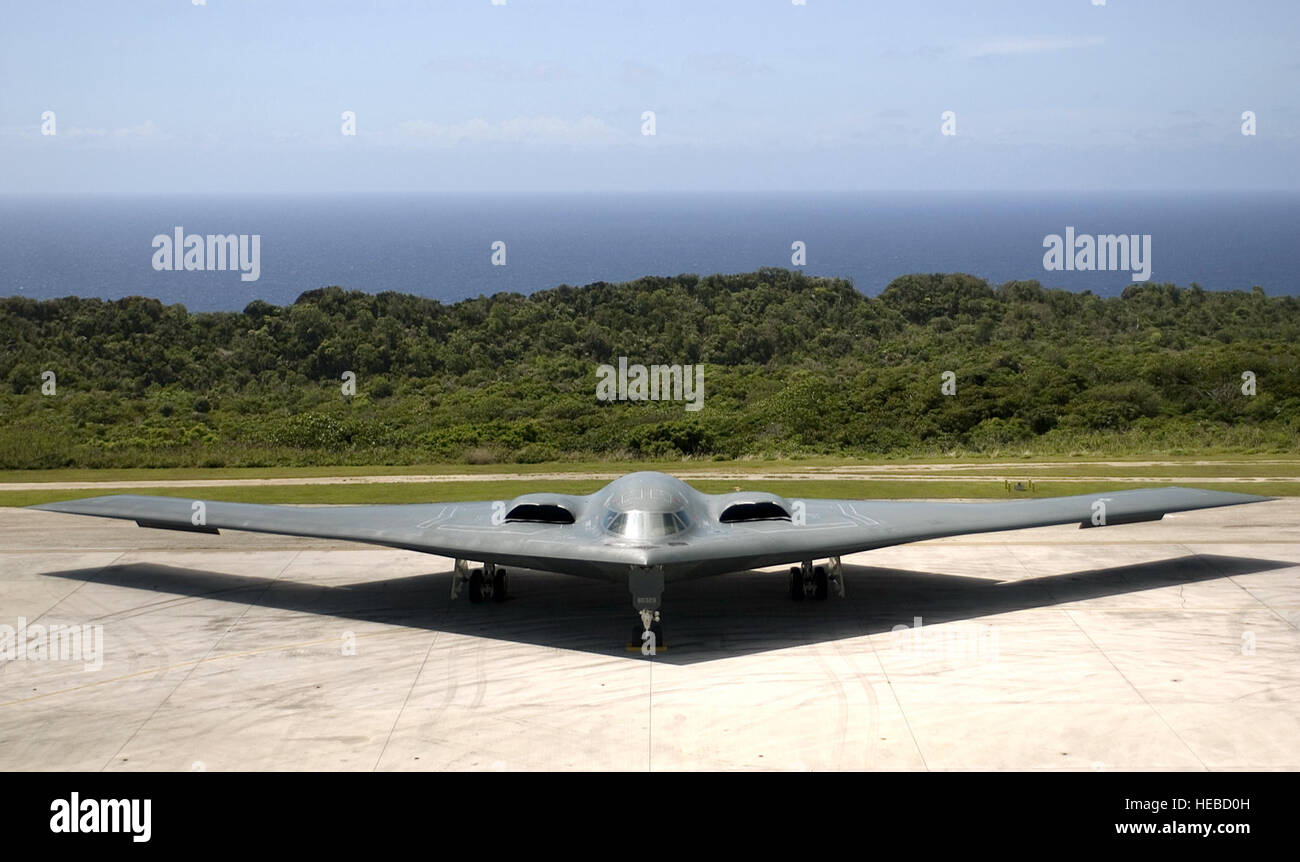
(821, 584)
(796, 584)
(499, 586)
(476, 583)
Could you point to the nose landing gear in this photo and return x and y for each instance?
(646, 584)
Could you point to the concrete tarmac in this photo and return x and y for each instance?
(1164, 646)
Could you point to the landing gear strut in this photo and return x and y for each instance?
(646, 584)
(836, 576)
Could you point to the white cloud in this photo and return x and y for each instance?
(638, 73)
(496, 69)
(142, 130)
(586, 130)
(1030, 45)
(723, 65)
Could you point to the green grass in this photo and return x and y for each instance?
(1207, 471)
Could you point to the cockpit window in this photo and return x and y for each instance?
(645, 525)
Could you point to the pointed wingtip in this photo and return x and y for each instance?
(1233, 498)
(76, 506)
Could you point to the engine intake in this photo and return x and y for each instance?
(540, 513)
(757, 510)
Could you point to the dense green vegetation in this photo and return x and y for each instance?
(794, 366)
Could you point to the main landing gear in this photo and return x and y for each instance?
(816, 581)
(486, 584)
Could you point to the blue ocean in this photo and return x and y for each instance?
(441, 246)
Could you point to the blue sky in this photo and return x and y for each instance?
(156, 97)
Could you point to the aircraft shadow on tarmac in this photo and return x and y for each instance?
(714, 618)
